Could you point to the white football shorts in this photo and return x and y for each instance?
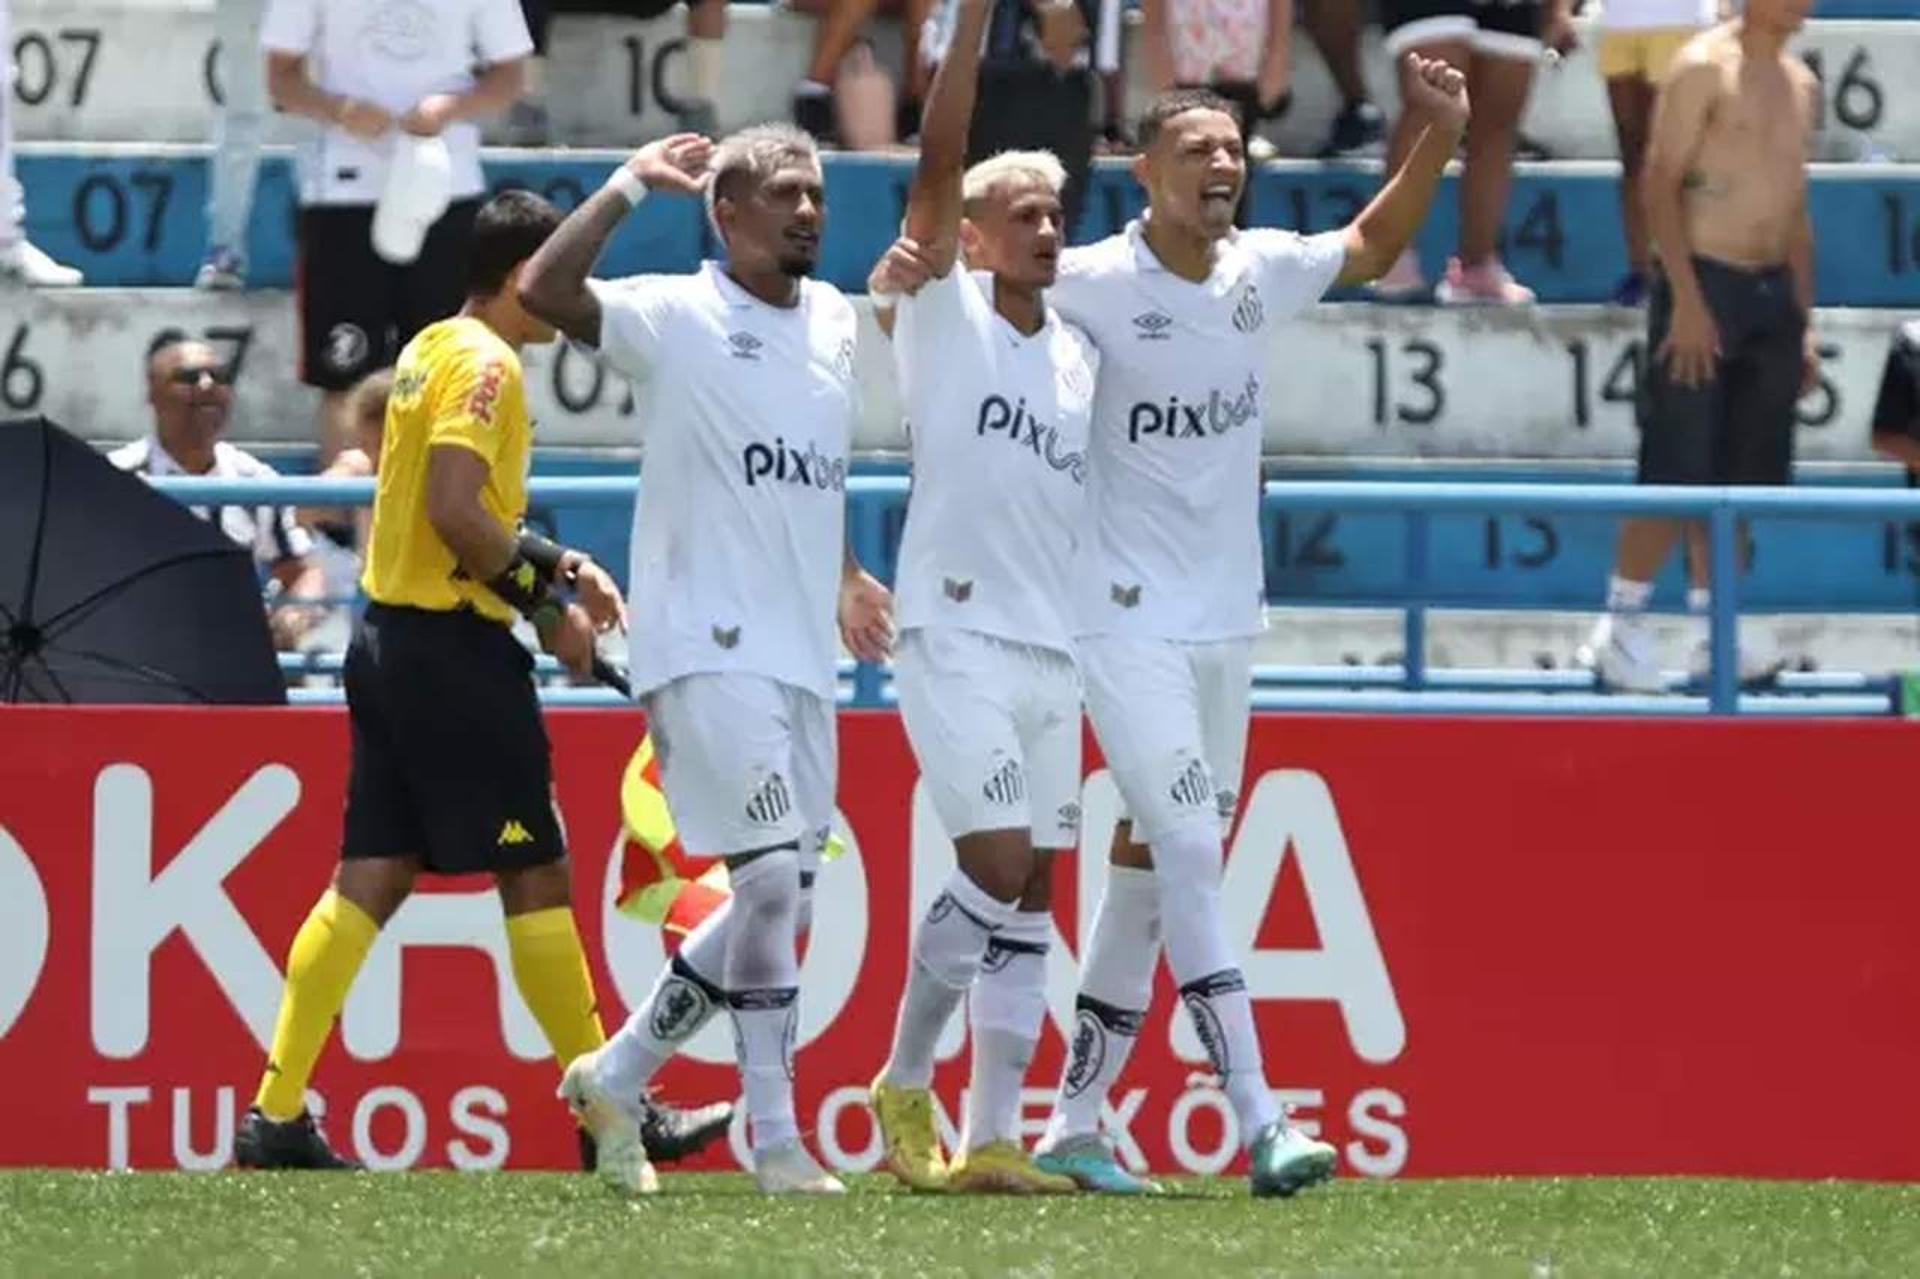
(746, 762)
(1171, 719)
(995, 727)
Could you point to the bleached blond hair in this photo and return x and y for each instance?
(754, 154)
(996, 171)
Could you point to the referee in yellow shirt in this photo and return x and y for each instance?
(451, 771)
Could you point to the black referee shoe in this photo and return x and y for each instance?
(297, 1143)
(668, 1132)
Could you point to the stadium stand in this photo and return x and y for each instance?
(147, 72)
(114, 105)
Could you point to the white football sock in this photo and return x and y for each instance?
(1006, 1006)
(947, 950)
(1187, 861)
(1116, 985)
(684, 999)
(762, 979)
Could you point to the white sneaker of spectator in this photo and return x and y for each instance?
(1624, 652)
(1487, 283)
(25, 263)
(1760, 660)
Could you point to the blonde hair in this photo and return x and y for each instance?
(996, 171)
(756, 154)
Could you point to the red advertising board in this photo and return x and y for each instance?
(1475, 946)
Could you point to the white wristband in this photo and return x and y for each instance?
(629, 185)
(883, 301)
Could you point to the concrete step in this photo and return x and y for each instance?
(134, 216)
(109, 71)
(1504, 384)
(1553, 383)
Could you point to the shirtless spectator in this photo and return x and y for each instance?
(1638, 42)
(1728, 341)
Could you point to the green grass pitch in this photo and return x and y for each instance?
(427, 1224)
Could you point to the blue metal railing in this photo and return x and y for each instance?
(1415, 688)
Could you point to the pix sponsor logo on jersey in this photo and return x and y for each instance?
(1218, 414)
(807, 468)
(998, 417)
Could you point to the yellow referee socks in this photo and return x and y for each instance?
(326, 953)
(550, 968)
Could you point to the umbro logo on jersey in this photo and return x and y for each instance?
(1193, 788)
(1248, 315)
(726, 636)
(1126, 596)
(809, 468)
(766, 806)
(1069, 816)
(959, 590)
(1184, 420)
(1006, 784)
(1021, 427)
(744, 346)
(513, 833)
(1153, 326)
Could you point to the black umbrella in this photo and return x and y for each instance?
(111, 592)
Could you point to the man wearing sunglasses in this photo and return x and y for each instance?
(191, 390)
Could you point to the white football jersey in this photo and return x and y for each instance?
(741, 523)
(998, 423)
(1174, 483)
(394, 53)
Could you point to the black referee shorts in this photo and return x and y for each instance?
(450, 758)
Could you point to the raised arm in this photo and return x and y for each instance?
(553, 283)
(1376, 239)
(933, 202)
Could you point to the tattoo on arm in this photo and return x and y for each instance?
(553, 284)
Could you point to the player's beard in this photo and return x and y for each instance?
(798, 264)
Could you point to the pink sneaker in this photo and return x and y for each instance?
(1487, 283)
(1405, 282)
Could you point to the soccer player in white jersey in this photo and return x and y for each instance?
(1168, 578)
(739, 555)
(999, 391)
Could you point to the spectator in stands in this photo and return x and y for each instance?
(239, 129)
(1638, 41)
(1336, 27)
(20, 260)
(1730, 347)
(191, 392)
(838, 36)
(384, 71)
(697, 112)
(342, 532)
(1037, 80)
(1896, 413)
(359, 460)
(1499, 42)
(1241, 49)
